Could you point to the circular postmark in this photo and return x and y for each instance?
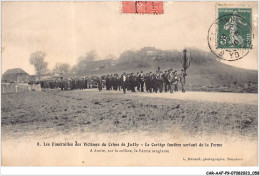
(230, 37)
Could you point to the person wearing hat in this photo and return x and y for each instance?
(164, 77)
(141, 81)
(61, 83)
(116, 83)
(160, 82)
(167, 81)
(108, 85)
(132, 82)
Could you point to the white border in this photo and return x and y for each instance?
(4, 170)
(119, 170)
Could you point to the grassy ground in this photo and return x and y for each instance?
(66, 112)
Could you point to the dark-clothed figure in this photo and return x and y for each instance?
(56, 84)
(111, 82)
(65, 84)
(148, 82)
(76, 83)
(46, 84)
(69, 84)
(42, 84)
(128, 82)
(141, 81)
(164, 77)
(108, 82)
(85, 83)
(167, 81)
(132, 82)
(73, 84)
(61, 84)
(115, 82)
(155, 83)
(81, 84)
(100, 84)
(138, 81)
(51, 84)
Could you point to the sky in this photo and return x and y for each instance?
(67, 30)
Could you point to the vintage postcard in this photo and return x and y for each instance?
(132, 83)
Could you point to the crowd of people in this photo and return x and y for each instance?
(149, 82)
(159, 81)
(67, 84)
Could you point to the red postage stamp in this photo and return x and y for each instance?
(142, 7)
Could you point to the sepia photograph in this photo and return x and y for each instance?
(131, 83)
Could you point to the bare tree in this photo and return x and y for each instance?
(85, 62)
(61, 68)
(91, 55)
(40, 65)
(110, 57)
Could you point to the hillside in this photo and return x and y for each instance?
(205, 72)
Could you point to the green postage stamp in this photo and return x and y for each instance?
(230, 36)
(234, 28)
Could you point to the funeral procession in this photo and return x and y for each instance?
(158, 81)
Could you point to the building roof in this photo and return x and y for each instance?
(15, 71)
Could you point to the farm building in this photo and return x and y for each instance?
(15, 75)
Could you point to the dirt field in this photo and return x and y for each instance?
(53, 112)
